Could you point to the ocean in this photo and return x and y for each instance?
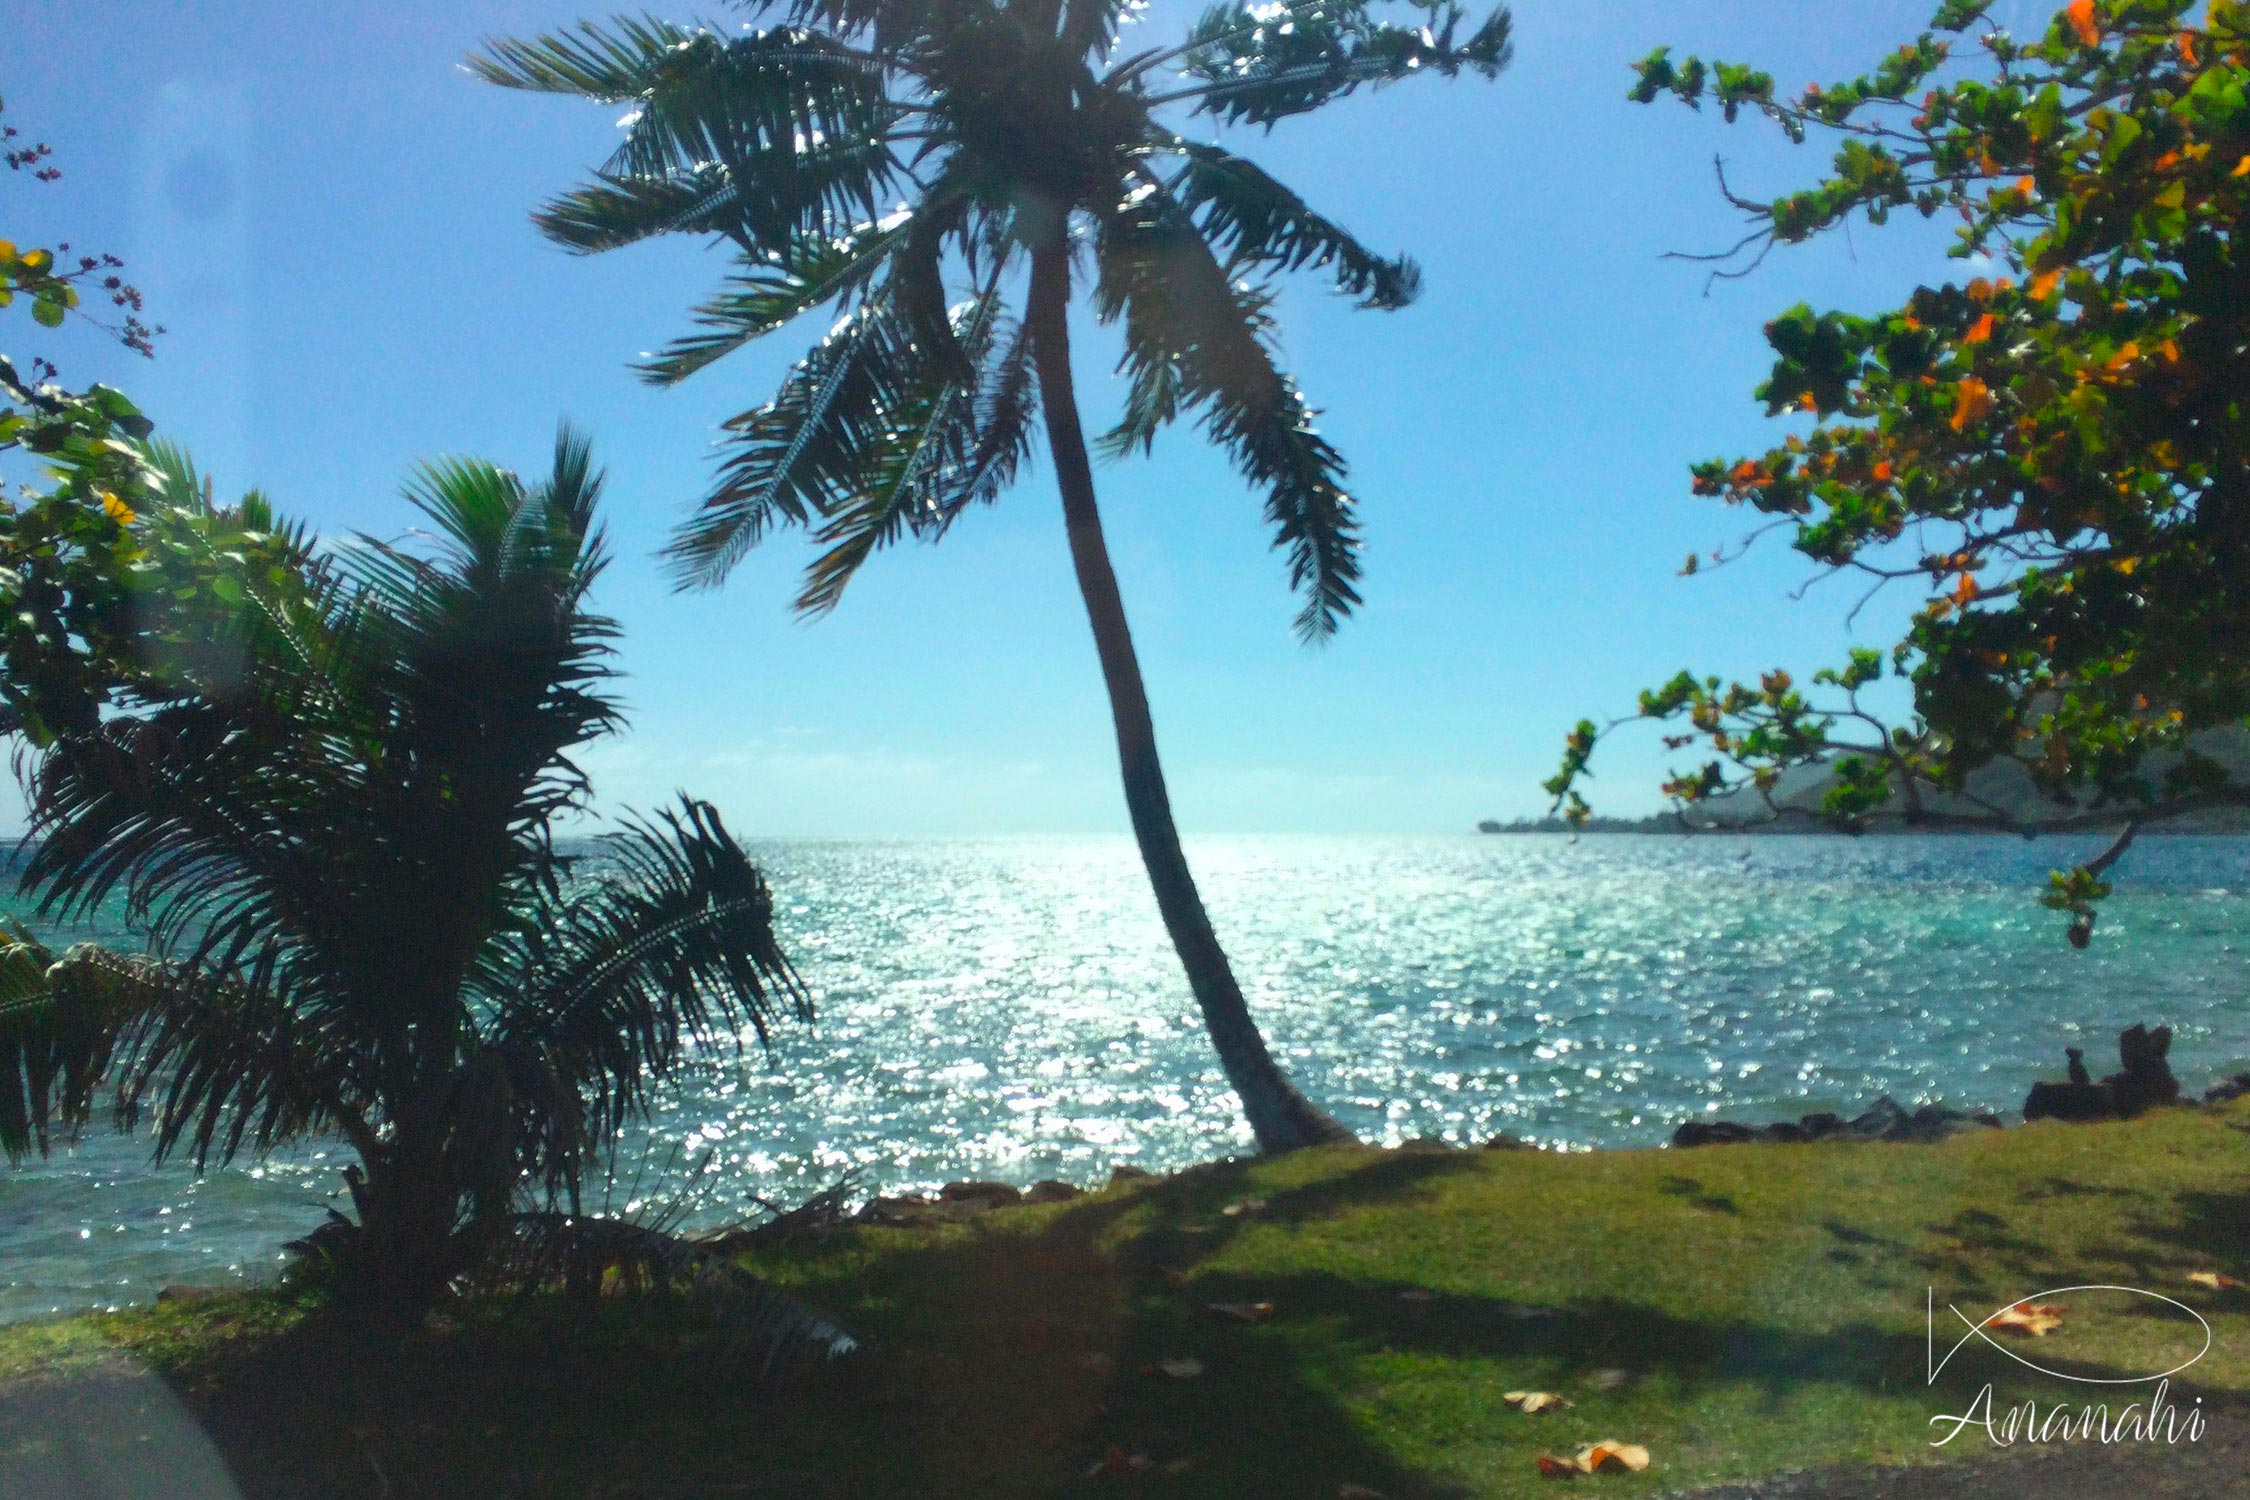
(1010, 1009)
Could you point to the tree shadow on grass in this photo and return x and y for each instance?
(1024, 1355)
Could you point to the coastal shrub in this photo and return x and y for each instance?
(325, 783)
(2053, 449)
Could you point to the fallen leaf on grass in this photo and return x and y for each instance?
(1613, 1457)
(1606, 1457)
(1359, 1492)
(1118, 1461)
(1093, 1362)
(2035, 1319)
(1417, 1294)
(1535, 1401)
(2217, 1281)
(1246, 1206)
(1181, 1369)
(1609, 1380)
(1244, 1312)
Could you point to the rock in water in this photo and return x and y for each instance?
(1885, 1120)
(2146, 1079)
(2143, 1082)
(2231, 1088)
(2077, 1102)
(1712, 1133)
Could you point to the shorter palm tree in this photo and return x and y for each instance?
(334, 819)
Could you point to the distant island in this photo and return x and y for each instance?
(2003, 786)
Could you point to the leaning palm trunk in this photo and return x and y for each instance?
(999, 128)
(1282, 1118)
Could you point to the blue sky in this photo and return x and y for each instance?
(332, 220)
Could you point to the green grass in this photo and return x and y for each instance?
(1737, 1310)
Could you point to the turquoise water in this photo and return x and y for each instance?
(1010, 1009)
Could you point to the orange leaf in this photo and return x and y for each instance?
(1614, 1457)
(2043, 285)
(2035, 1319)
(2187, 47)
(1965, 592)
(2026, 186)
(1117, 1461)
(1979, 331)
(2081, 16)
(1883, 471)
(2241, 168)
(1609, 1456)
(1971, 400)
(2217, 1281)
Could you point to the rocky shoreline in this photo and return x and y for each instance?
(2144, 1081)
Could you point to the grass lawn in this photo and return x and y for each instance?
(1738, 1310)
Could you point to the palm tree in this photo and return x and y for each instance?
(1023, 154)
(337, 828)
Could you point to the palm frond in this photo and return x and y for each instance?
(1261, 63)
(814, 271)
(744, 1310)
(59, 1027)
(764, 137)
(797, 120)
(610, 65)
(1006, 422)
(1260, 223)
(913, 471)
(613, 211)
(217, 1060)
(1197, 340)
(1089, 27)
(615, 980)
(803, 453)
(222, 1056)
(890, 27)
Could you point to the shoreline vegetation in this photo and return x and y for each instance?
(1997, 799)
(1300, 1325)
